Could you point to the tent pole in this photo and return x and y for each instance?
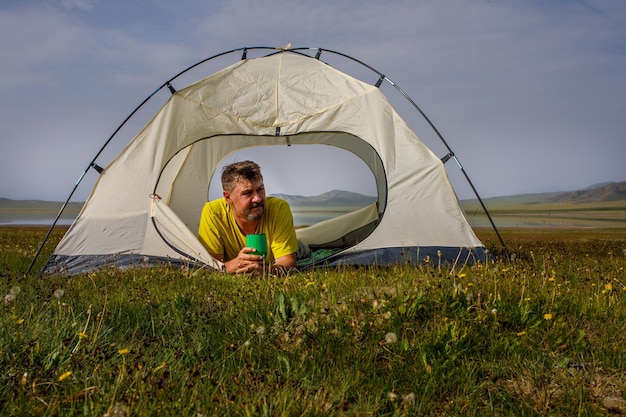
(96, 167)
(93, 161)
(45, 239)
(506, 251)
(430, 123)
(452, 155)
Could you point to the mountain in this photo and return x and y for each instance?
(334, 198)
(596, 194)
(609, 192)
(598, 185)
(7, 204)
(331, 199)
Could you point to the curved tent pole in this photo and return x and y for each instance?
(93, 164)
(434, 128)
(167, 84)
(452, 155)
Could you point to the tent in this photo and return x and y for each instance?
(145, 206)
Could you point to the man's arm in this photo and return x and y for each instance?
(284, 264)
(284, 244)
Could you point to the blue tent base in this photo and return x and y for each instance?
(86, 264)
(397, 256)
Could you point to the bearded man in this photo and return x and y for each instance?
(245, 210)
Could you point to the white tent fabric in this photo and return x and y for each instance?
(326, 232)
(146, 205)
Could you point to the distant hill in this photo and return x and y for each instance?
(601, 205)
(600, 184)
(600, 193)
(37, 205)
(334, 198)
(331, 199)
(596, 194)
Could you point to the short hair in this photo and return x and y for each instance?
(240, 171)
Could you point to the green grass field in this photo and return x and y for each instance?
(542, 335)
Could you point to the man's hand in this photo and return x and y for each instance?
(246, 262)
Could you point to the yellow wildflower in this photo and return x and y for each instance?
(462, 275)
(548, 316)
(608, 286)
(65, 375)
(158, 368)
(522, 333)
(123, 351)
(82, 335)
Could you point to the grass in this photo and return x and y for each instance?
(543, 335)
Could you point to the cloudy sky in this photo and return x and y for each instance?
(529, 94)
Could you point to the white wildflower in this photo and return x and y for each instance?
(409, 398)
(59, 293)
(9, 298)
(117, 410)
(391, 338)
(15, 290)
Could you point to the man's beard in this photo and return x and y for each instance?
(256, 216)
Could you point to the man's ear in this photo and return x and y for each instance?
(226, 196)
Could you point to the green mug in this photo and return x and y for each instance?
(259, 242)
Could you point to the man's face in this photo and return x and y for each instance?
(247, 199)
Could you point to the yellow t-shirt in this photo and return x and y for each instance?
(220, 234)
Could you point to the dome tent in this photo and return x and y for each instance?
(145, 206)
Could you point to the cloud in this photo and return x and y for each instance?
(83, 5)
(138, 63)
(35, 41)
(529, 94)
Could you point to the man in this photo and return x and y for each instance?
(244, 210)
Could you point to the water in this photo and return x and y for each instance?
(308, 218)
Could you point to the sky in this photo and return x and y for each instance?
(529, 94)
